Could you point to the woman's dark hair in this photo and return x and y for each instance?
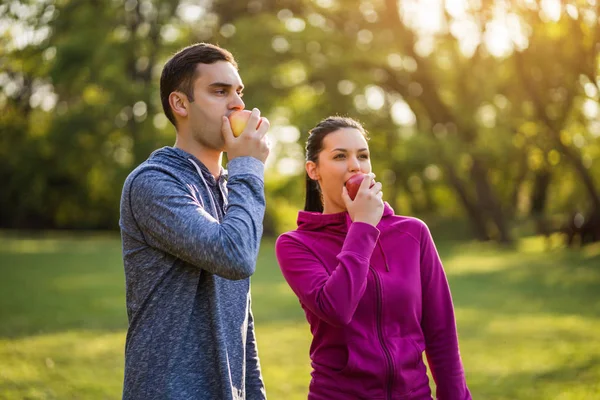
(180, 72)
(314, 145)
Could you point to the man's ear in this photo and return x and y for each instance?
(178, 102)
(312, 170)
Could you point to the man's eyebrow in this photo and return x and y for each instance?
(225, 85)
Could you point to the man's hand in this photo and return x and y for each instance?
(252, 142)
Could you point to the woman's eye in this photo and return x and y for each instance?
(339, 156)
(364, 156)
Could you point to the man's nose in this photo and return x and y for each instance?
(237, 103)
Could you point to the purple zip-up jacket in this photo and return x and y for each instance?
(375, 299)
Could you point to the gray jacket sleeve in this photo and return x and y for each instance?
(255, 387)
(175, 222)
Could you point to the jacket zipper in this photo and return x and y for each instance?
(388, 356)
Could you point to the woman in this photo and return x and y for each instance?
(370, 282)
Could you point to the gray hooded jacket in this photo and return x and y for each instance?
(190, 244)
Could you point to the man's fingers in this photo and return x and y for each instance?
(267, 141)
(253, 120)
(264, 126)
(226, 130)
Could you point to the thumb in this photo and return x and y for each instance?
(346, 197)
(226, 130)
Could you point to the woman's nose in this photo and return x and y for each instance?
(353, 164)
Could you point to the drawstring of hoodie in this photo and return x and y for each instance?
(212, 200)
(387, 267)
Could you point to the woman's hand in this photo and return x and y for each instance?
(367, 206)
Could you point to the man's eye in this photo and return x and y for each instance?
(220, 92)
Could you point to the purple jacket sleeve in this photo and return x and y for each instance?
(333, 298)
(439, 325)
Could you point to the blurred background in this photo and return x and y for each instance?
(484, 119)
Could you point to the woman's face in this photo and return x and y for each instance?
(345, 153)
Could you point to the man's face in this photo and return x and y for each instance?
(217, 92)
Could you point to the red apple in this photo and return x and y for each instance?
(353, 184)
(239, 119)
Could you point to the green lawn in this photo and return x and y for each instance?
(529, 320)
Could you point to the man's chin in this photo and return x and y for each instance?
(216, 145)
(220, 146)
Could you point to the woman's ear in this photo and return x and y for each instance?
(312, 170)
(178, 104)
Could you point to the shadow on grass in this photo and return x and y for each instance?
(541, 384)
(558, 283)
(55, 284)
(51, 285)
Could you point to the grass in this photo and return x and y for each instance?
(528, 319)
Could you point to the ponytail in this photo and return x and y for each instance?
(313, 196)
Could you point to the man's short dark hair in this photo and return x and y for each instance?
(180, 72)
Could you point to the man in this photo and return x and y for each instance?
(190, 241)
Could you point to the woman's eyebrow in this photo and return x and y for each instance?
(345, 151)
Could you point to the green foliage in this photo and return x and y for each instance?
(454, 133)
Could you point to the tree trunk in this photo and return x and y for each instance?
(554, 128)
(588, 181)
(489, 201)
(474, 212)
(523, 169)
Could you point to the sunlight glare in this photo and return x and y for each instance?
(591, 109)
(456, 8)
(518, 31)
(375, 97)
(190, 12)
(424, 16)
(590, 89)
(497, 39)
(287, 134)
(425, 45)
(467, 34)
(402, 114)
(551, 9)
(502, 35)
(289, 166)
(572, 11)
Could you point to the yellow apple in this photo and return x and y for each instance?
(239, 119)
